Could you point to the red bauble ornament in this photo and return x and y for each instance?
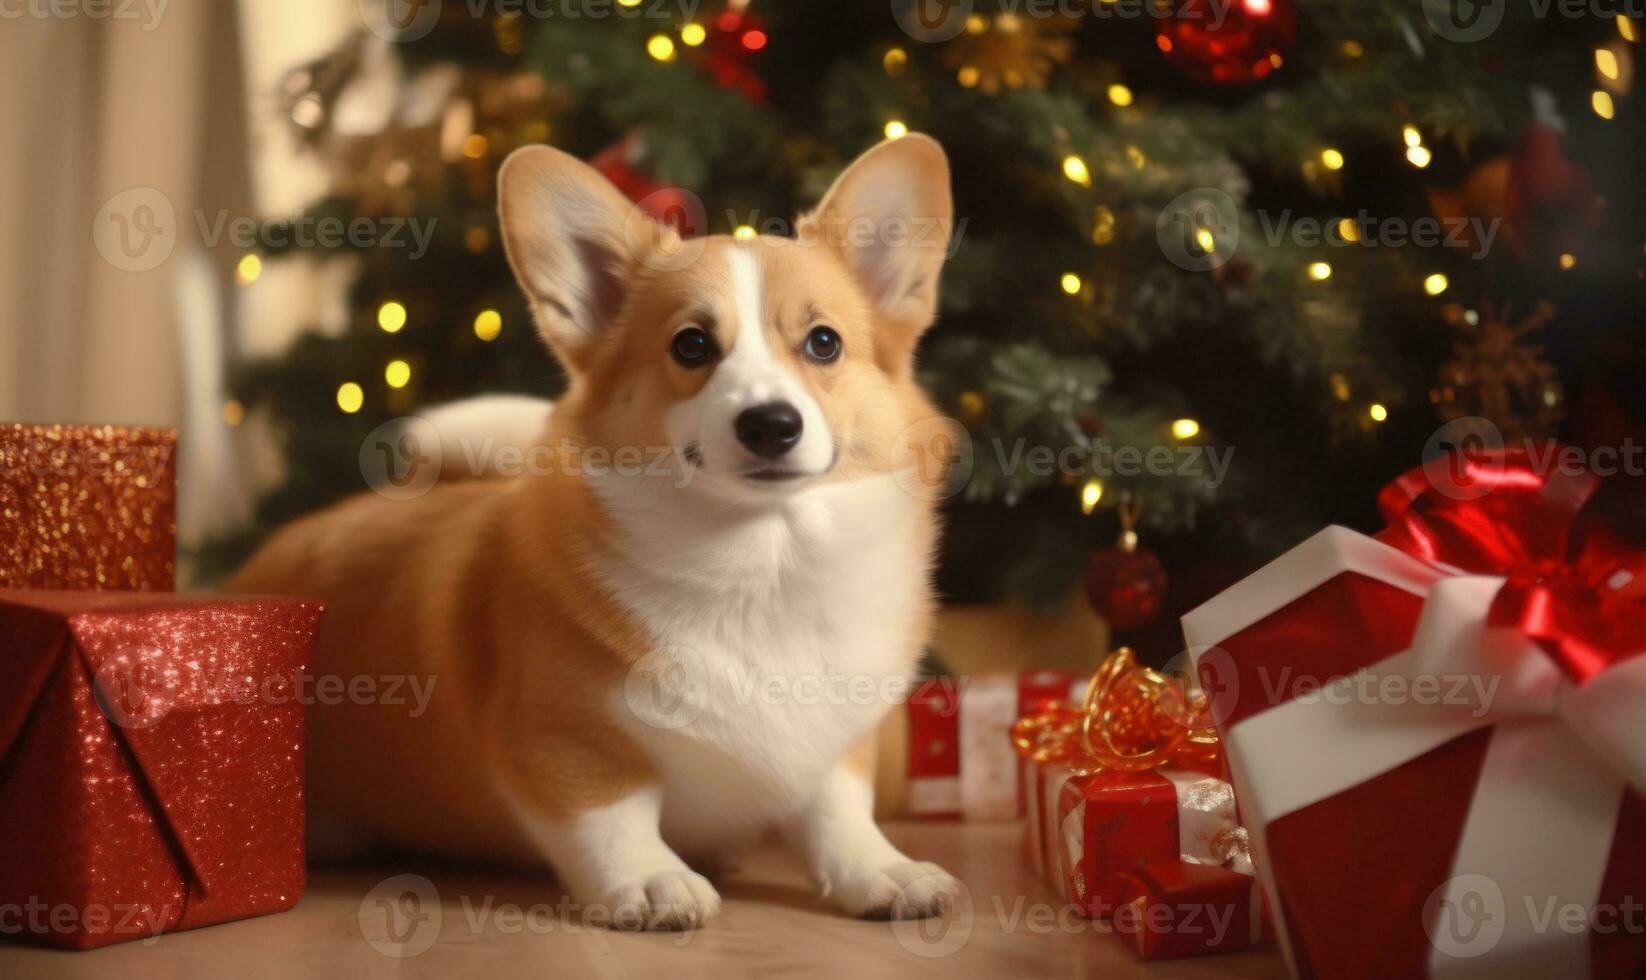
(733, 42)
(1126, 584)
(673, 206)
(1550, 202)
(1243, 45)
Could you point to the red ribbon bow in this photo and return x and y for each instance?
(1571, 586)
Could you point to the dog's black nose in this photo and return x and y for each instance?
(769, 430)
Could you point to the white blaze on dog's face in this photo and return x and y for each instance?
(765, 365)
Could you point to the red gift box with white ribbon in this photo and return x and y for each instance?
(1088, 836)
(961, 763)
(1129, 819)
(1438, 735)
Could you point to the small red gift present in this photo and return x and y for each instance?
(1125, 789)
(960, 762)
(1178, 909)
(151, 761)
(1438, 735)
(87, 507)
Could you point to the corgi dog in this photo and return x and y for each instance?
(640, 668)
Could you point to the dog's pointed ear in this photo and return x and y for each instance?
(891, 216)
(574, 242)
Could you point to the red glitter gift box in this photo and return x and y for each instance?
(87, 507)
(151, 761)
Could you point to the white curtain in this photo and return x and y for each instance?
(123, 136)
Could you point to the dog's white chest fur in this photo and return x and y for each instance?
(782, 638)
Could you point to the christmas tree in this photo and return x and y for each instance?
(1221, 267)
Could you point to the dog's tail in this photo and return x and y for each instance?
(487, 435)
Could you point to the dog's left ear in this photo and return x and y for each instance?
(890, 215)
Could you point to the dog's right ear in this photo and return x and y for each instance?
(574, 242)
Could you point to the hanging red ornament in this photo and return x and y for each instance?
(674, 206)
(1233, 44)
(1550, 201)
(736, 37)
(1126, 584)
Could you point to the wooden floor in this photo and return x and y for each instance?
(501, 925)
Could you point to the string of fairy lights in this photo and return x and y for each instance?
(1613, 65)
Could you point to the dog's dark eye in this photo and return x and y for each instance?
(823, 344)
(693, 347)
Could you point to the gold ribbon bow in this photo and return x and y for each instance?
(1134, 719)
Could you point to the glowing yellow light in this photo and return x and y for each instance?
(1436, 284)
(488, 324)
(1136, 157)
(660, 47)
(397, 373)
(1418, 156)
(1602, 103)
(1120, 95)
(628, 3)
(1090, 494)
(350, 397)
(977, 24)
(1320, 271)
(1332, 159)
(1340, 387)
(1203, 238)
(1071, 283)
(1606, 62)
(1625, 27)
(693, 35)
(1185, 429)
(391, 316)
(896, 130)
(1074, 168)
(1410, 134)
(1567, 260)
(895, 61)
(475, 146)
(968, 76)
(1275, 60)
(234, 413)
(1102, 226)
(1348, 230)
(248, 270)
(1352, 49)
(744, 233)
(1378, 412)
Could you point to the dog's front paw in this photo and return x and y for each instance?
(905, 890)
(668, 900)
